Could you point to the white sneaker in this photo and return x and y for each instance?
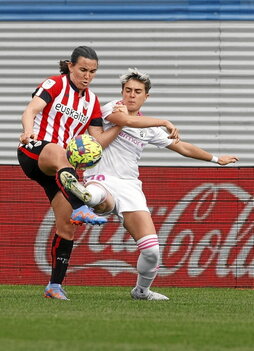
(71, 183)
(151, 295)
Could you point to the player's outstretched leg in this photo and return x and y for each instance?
(55, 291)
(84, 214)
(77, 194)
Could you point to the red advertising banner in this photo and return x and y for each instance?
(204, 219)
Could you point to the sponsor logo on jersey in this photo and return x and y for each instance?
(48, 83)
(70, 112)
(131, 139)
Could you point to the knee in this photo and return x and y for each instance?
(52, 158)
(149, 248)
(152, 254)
(107, 206)
(102, 201)
(148, 261)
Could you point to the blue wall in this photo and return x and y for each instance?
(116, 10)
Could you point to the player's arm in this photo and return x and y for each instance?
(120, 117)
(190, 150)
(35, 106)
(104, 137)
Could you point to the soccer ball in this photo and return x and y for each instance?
(83, 151)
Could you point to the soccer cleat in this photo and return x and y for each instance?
(136, 294)
(72, 184)
(55, 291)
(84, 214)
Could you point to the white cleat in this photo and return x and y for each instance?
(136, 294)
(71, 183)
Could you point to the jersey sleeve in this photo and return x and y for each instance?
(96, 119)
(49, 89)
(107, 110)
(160, 138)
(96, 109)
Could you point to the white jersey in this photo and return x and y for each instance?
(120, 158)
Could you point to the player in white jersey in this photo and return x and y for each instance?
(62, 107)
(114, 184)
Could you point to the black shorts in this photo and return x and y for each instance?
(28, 160)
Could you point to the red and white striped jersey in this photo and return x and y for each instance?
(66, 114)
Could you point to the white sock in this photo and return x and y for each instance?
(148, 261)
(98, 193)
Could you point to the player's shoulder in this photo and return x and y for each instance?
(53, 81)
(108, 108)
(111, 103)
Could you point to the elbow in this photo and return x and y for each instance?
(104, 145)
(101, 142)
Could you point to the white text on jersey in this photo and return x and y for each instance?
(72, 113)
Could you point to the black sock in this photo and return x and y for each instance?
(70, 197)
(60, 252)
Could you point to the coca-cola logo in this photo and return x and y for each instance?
(230, 249)
(210, 228)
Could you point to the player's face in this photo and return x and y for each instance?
(83, 72)
(134, 95)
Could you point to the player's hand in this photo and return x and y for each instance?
(25, 137)
(226, 159)
(120, 108)
(173, 132)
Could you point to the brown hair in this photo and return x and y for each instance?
(84, 51)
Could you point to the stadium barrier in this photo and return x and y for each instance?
(203, 216)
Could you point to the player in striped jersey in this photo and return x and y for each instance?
(62, 107)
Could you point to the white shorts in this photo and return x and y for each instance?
(127, 193)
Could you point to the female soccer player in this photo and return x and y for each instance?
(114, 184)
(62, 107)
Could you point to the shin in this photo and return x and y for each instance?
(148, 261)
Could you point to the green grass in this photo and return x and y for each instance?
(106, 319)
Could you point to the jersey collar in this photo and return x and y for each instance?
(74, 86)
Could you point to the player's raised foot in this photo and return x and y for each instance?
(55, 291)
(72, 184)
(84, 214)
(137, 294)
